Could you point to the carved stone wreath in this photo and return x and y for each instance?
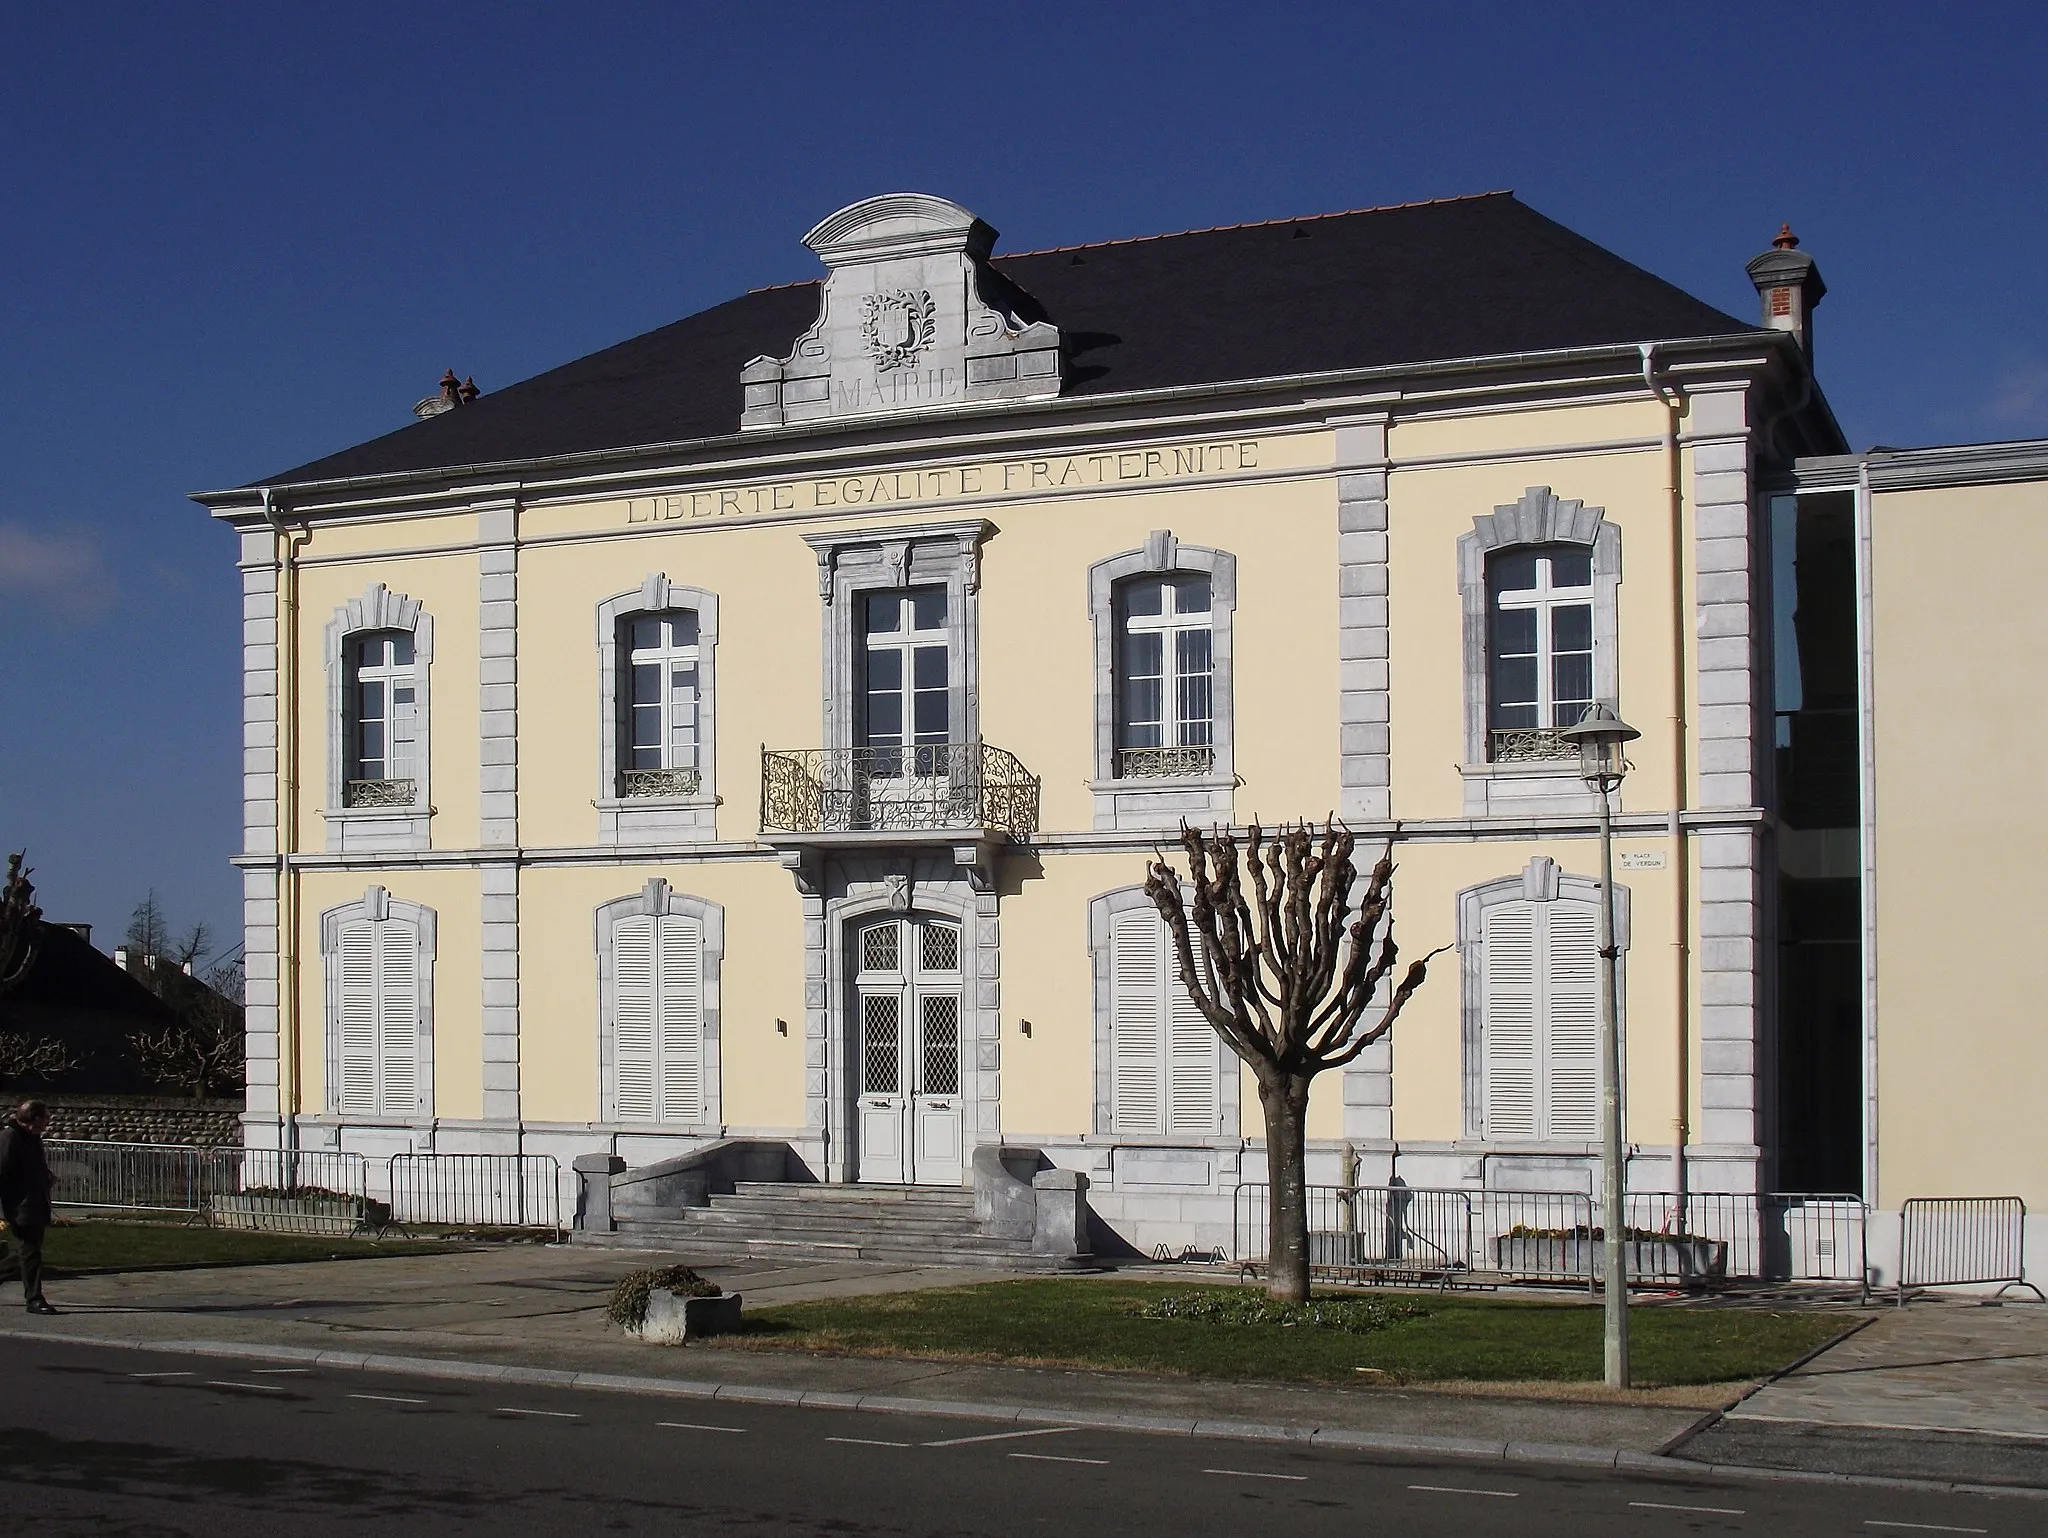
(897, 326)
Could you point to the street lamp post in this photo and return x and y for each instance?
(1601, 736)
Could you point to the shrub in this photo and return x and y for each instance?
(628, 1308)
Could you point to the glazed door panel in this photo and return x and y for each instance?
(909, 1053)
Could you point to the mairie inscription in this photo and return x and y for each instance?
(944, 483)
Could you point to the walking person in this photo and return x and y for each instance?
(25, 1195)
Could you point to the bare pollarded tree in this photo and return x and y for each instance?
(21, 923)
(1293, 977)
(25, 1056)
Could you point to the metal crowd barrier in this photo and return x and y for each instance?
(1486, 1237)
(307, 1191)
(1958, 1241)
(484, 1189)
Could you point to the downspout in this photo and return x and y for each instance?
(287, 754)
(1681, 864)
(1866, 820)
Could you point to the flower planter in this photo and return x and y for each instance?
(334, 1215)
(673, 1319)
(1680, 1258)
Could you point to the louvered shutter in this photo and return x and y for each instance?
(1509, 1020)
(633, 1012)
(1136, 1035)
(681, 1013)
(398, 1018)
(1572, 1044)
(356, 1089)
(1191, 1048)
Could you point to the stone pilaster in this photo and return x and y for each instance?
(501, 991)
(260, 726)
(1362, 701)
(498, 675)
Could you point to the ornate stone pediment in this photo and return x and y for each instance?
(911, 317)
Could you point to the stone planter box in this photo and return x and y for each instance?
(1579, 1259)
(333, 1215)
(672, 1319)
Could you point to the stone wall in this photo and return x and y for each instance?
(146, 1119)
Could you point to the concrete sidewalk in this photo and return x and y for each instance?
(538, 1311)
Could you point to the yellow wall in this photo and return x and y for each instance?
(1962, 882)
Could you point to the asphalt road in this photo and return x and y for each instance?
(121, 1442)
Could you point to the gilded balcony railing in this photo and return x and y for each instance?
(659, 782)
(1163, 763)
(929, 787)
(1529, 744)
(377, 793)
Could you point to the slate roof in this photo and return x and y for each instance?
(1459, 278)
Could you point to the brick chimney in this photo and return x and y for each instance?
(1788, 282)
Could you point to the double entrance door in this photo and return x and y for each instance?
(908, 996)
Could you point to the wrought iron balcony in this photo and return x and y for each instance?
(659, 782)
(1530, 744)
(377, 793)
(1163, 763)
(932, 787)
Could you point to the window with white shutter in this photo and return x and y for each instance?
(378, 1009)
(1165, 1058)
(1540, 998)
(657, 1006)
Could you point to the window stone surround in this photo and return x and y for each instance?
(374, 828)
(1163, 801)
(656, 899)
(1541, 880)
(377, 905)
(1541, 517)
(629, 821)
(854, 562)
(1103, 911)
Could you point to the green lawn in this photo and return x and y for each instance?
(1076, 1323)
(100, 1246)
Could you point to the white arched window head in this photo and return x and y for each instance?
(378, 957)
(1530, 967)
(659, 954)
(1164, 642)
(1539, 579)
(379, 649)
(1161, 1071)
(657, 761)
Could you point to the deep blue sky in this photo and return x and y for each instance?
(237, 237)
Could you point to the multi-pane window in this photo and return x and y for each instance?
(905, 683)
(661, 704)
(1165, 1059)
(1165, 677)
(1539, 645)
(383, 720)
(1540, 1016)
(657, 1018)
(378, 1025)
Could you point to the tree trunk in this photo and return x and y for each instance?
(1285, 1102)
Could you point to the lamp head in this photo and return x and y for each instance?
(1601, 736)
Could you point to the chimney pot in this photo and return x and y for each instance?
(1785, 240)
(469, 391)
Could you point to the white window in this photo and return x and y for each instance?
(657, 1018)
(379, 958)
(1165, 1059)
(1165, 683)
(1539, 643)
(1539, 1020)
(661, 705)
(383, 720)
(905, 681)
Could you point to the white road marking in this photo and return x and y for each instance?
(1005, 1436)
(268, 1388)
(693, 1426)
(560, 1415)
(1100, 1463)
(1506, 1495)
(160, 1375)
(1712, 1511)
(865, 1442)
(387, 1398)
(1255, 1474)
(1925, 1527)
